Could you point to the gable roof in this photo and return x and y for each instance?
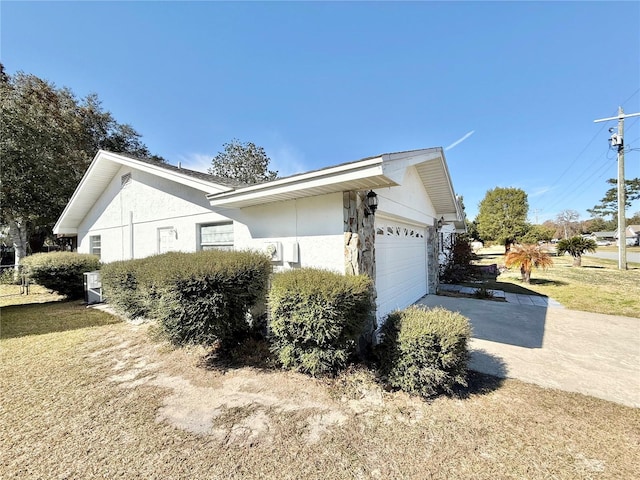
(603, 234)
(386, 170)
(105, 166)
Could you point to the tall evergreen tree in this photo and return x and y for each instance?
(48, 138)
(502, 216)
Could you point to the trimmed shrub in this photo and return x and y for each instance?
(120, 288)
(61, 272)
(424, 351)
(197, 297)
(317, 317)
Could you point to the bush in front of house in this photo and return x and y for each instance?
(424, 351)
(456, 265)
(316, 318)
(61, 272)
(120, 288)
(198, 298)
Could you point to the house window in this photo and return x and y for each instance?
(216, 236)
(166, 239)
(95, 245)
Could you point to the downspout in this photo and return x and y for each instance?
(131, 253)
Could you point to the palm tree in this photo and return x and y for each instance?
(526, 257)
(576, 246)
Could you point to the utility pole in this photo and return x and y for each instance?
(617, 140)
(535, 212)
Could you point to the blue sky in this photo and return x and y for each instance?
(317, 84)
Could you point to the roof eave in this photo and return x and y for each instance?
(365, 174)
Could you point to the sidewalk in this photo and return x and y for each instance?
(518, 298)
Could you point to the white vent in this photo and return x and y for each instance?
(125, 179)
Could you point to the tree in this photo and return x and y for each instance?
(47, 140)
(568, 219)
(599, 224)
(538, 233)
(527, 257)
(502, 215)
(244, 162)
(576, 247)
(608, 205)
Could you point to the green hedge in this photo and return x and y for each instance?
(424, 351)
(61, 271)
(197, 297)
(316, 318)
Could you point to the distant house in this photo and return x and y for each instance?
(632, 235)
(603, 238)
(634, 231)
(127, 208)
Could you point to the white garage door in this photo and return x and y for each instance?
(401, 265)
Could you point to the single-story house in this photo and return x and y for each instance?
(381, 216)
(632, 234)
(603, 237)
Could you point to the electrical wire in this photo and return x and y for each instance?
(570, 190)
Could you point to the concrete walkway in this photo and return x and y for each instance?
(518, 298)
(589, 353)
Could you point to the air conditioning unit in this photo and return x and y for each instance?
(92, 287)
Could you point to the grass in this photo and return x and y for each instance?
(598, 286)
(83, 395)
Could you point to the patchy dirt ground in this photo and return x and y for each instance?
(84, 397)
(235, 406)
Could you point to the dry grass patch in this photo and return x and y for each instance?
(107, 402)
(598, 286)
(13, 295)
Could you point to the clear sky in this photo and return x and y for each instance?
(512, 88)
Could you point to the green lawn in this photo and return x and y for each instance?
(84, 395)
(598, 286)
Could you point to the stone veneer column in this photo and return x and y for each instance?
(432, 260)
(359, 246)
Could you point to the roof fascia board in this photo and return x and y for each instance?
(366, 168)
(203, 185)
(395, 164)
(106, 156)
(76, 193)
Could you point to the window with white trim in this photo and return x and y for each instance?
(216, 236)
(95, 245)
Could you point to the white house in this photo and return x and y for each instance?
(130, 208)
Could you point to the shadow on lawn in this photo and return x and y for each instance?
(544, 281)
(251, 352)
(51, 317)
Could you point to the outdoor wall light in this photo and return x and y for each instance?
(370, 203)
(440, 222)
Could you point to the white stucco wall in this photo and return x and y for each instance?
(315, 224)
(408, 202)
(155, 203)
(148, 203)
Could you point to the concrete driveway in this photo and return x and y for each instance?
(583, 352)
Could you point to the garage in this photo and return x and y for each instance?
(401, 265)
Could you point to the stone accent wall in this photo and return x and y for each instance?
(359, 237)
(359, 248)
(432, 260)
